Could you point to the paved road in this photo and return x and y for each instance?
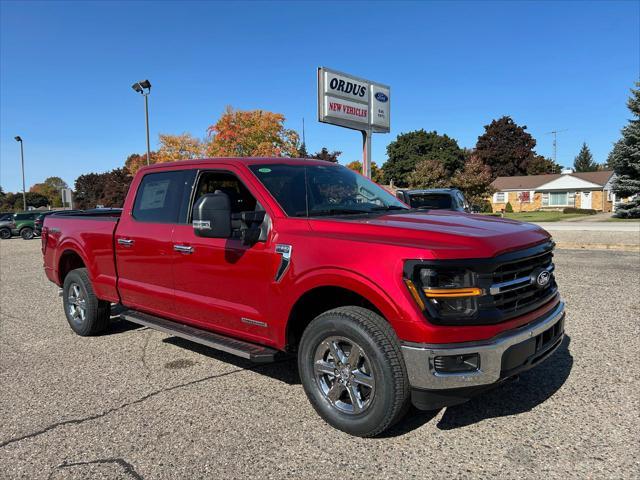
(138, 404)
(631, 227)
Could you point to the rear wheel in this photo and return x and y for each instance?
(86, 314)
(5, 233)
(26, 233)
(353, 372)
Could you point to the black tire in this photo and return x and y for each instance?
(386, 402)
(77, 291)
(5, 233)
(27, 233)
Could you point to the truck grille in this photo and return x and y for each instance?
(515, 289)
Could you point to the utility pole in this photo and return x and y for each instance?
(555, 143)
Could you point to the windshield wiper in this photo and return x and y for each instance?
(337, 211)
(388, 207)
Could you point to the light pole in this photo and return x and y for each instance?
(24, 195)
(143, 87)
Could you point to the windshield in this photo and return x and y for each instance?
(318, 190)
(431, 200)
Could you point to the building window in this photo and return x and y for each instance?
(558, 199)
(500, 197)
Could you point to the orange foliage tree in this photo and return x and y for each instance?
(172, 148)
(249, 133)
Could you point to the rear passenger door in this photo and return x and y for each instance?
(144, 250)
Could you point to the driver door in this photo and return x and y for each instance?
(220, 283)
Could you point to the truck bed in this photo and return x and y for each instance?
(66, 236)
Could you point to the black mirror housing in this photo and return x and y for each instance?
(212, 216)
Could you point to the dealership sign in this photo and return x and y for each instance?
(353, 102)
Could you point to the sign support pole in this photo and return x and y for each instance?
(366, 153)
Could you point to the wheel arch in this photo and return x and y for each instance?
(69, 260)
(330, 290)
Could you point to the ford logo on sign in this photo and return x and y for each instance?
(381, 97)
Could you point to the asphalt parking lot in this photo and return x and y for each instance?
(135, 403)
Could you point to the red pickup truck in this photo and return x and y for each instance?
(383, 305)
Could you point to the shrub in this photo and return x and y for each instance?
(583, 211)
(628, 210)
(508, 208)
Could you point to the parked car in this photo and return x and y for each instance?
(6, 226)
(24, 224)
(383, 305)
(435, 199)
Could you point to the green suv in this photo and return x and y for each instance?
(24, 224)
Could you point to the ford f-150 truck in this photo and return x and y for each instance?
(383, 305)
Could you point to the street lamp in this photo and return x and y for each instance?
(24, 195)
(143, 87)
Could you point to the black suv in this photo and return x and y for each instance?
(435, 199)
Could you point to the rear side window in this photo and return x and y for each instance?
(159, 197)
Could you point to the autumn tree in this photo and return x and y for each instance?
(474, 180)
(179, 147)
(259, 133)
(135, 161)
(625, 160)
(584, 161)
(326, 155)
(429, 173)
(376, 173)
(51, 188)
(411, 148)
(506, 147)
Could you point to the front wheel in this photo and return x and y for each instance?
(353, 372)
(26, 233)
(5, 233)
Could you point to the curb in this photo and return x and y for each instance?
(620, 247)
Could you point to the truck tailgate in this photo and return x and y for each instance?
(71, 241)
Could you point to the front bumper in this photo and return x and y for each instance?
(500, 358)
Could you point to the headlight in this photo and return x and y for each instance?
(445, 293)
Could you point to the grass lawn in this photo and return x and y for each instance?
(542, 216)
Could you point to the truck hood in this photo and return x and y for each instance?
(446, 234)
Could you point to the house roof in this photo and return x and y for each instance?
(531, 182)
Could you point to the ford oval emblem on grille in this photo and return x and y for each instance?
(543, 278)
(381, 97)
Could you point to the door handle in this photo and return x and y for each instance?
(125, 242)
(183, 248)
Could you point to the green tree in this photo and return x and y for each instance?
(625, 160)
(429, 173)
(506, 147)
(540, 165)
(51, 188)
(302, 151)
(326, 155)
(411, 148)
(584, 161)
(376, 173)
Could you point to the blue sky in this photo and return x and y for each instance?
(67, 67)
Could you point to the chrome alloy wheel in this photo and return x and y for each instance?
(344, 375)
(76, 304)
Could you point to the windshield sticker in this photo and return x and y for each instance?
(264, 170)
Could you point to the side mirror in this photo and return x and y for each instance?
(212, 216)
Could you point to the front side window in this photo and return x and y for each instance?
(318, 190)
(240, 197)
(159, 197)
